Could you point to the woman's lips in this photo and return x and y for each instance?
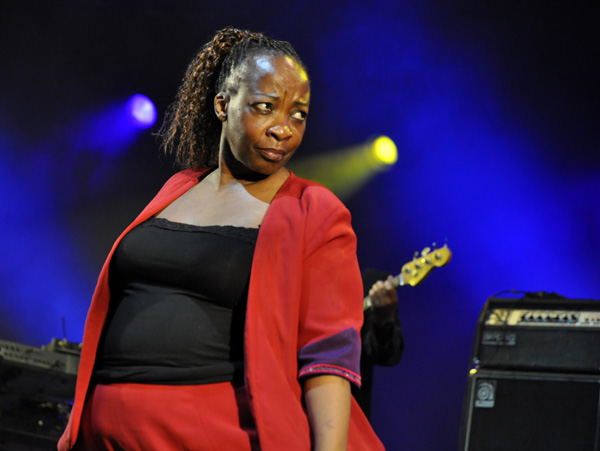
(272, 154)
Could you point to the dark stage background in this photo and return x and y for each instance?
(493, 105)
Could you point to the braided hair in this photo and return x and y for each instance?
(191, 130)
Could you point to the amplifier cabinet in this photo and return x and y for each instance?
(548, 335)
(519, 411)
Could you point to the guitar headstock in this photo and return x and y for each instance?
(416, 270)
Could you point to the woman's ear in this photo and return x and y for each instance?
(221, 104)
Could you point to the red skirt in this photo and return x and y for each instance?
(212, 417)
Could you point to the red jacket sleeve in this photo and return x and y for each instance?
(331, 300)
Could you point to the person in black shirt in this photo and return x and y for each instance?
(382, 339)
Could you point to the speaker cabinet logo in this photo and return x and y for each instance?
(496, 338)
(485, 394)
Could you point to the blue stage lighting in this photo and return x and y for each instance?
(142, 111)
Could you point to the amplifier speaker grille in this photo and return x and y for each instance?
(531, 412)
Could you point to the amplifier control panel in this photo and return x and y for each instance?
(545, 318)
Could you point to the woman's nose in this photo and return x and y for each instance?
(280, 132)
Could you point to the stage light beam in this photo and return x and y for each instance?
(345, 171)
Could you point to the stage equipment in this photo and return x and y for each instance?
(37, 386)
(535, 377)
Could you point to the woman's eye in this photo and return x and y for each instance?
(299, 115)
(264, 107)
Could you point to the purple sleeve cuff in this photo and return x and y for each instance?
(338, 355)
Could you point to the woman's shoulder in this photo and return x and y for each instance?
(310, 191)
(191, 173)
(312, 201)
(185, 176)
(181, 180)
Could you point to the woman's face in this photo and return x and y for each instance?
(265, 117)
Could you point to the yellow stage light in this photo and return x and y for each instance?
(385, 150)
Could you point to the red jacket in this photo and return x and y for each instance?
(303, 317)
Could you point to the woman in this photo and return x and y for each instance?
(213, 333)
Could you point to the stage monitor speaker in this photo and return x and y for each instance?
(520, 411)
(546, 334)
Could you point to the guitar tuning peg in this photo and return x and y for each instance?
(416, 255)
(425, 251)
(434, 245)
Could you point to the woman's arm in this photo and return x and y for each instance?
(330, 317)
(327, 400)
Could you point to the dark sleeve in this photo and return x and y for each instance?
(382, 343)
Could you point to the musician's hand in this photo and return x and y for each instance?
(384, 300)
